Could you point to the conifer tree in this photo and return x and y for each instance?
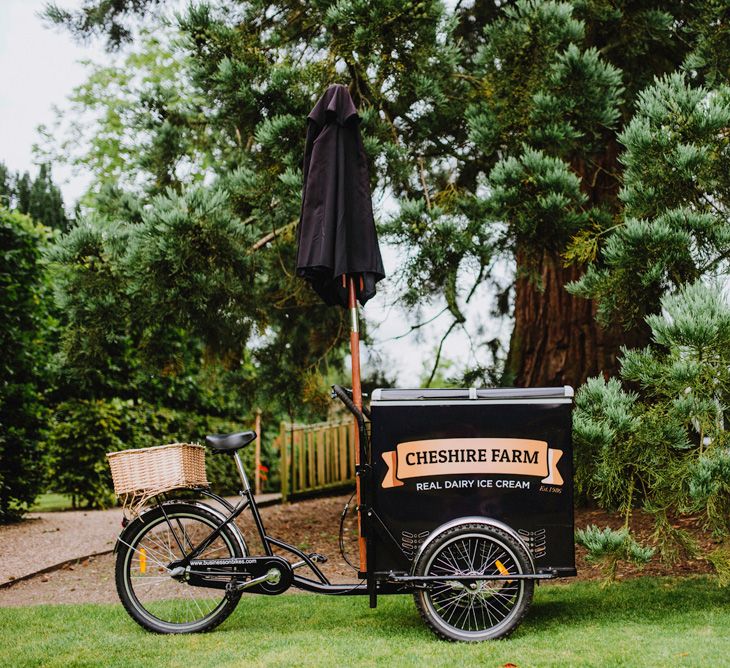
(6, 186)
(677, 200)
(40, 198)
(45, 203)
(494, 125)
(23, 187)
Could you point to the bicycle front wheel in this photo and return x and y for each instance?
(154, 599)
(483, 609)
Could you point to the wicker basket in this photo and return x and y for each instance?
(140, 474)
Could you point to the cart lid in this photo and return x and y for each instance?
(472, 394)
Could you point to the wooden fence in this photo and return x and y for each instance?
(315, 456)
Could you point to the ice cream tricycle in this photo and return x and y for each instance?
(465, 502)
(464, 497)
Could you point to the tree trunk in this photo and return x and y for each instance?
(556, 339)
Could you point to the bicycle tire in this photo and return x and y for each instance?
(145, 540)
(484, 610)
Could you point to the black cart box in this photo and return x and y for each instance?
(503, 454)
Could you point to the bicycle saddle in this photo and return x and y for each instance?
(229, 442)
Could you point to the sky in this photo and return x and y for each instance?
(39, 67)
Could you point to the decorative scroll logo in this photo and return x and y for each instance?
(458, 456)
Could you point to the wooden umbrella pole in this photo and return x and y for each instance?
(356, 398)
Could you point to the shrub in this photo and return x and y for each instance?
(608, 547)
(83, 431)
(664, 445)
(22, 326)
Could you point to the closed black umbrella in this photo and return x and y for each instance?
(336, 234)
(338, 247)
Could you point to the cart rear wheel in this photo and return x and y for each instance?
(482, 610)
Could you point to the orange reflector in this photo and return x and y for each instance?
(501, 567)
(143, 560)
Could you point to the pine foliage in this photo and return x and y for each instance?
(551, 212)
(664, 446)
(609, 547)
(676, 186)
(720, 559)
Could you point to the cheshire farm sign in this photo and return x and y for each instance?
(459, 456)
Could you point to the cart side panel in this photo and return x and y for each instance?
(534, 503)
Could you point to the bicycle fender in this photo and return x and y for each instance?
(219, 515)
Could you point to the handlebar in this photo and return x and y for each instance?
(348, 393)
(344, 396)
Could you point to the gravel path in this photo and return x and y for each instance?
(45, 540)
(51, 538)
(312, 526)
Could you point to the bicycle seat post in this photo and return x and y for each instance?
(241, 472)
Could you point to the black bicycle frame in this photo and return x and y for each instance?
(396, 582)
(321, 585)
(372, 525)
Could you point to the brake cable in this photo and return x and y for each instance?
(342, 533)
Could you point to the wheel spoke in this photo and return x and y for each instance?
(152, 559)
(164, 600)
(476, 609)
(448, 566)
(163, 555)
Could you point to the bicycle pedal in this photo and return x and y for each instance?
(318, 558)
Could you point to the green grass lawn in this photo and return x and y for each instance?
(643, 622)
(51, 502)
